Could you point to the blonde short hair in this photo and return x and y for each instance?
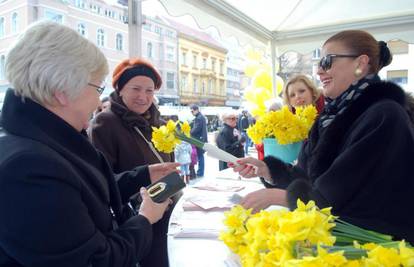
(308, 83)
(50, 57)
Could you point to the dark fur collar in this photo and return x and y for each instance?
(324, 149)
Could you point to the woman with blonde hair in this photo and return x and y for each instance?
(301, 91)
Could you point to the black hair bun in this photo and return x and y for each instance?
(385, 56)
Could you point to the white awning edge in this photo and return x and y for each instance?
(305, 41)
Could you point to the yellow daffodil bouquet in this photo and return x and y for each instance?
(167, 137)
(283, 125)
(308, 236)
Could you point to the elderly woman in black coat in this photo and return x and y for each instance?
(229, 139)
(358, 158)
(60, 204)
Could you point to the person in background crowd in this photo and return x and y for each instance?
(104, 105)
(183, 156)
(243, 124)
(60, 203)
(358, 156)
(199, 131)
(229, 139)
(301, 91)
(124, 133)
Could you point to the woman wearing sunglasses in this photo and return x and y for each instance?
(359, 155)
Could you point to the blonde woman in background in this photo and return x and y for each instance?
(301, 91)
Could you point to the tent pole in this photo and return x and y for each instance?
(274, 58)
(135, 27)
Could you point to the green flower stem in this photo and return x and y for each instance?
(191, 140)
(367, 232)
(346, 232)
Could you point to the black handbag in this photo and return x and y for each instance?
(166, 187)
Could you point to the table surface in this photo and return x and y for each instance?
(192, 235)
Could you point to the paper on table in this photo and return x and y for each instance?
(219, 187)
(209, 201)
(190, 206)
(197, 233)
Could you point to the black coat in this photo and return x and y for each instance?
(60, 204)
(361, 164)
(199, 128)
(227, 141)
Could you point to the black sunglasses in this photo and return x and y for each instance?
(99, 89)
(326, 61)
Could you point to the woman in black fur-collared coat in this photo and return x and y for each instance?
(358, 158)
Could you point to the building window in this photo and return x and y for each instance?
(157, 30)
(119, 42)
(14, 22)
(398, 76)
(316, 54)
(203, 87)
(184, 58)
(169, 33)
(53, 16)
(149, 50)
(213, 65)
(221, 68)
(1, 27)
(147, 26)
(195, 61)
(82, 29)
(204, 63)
(195, 85)
(210, 86)
(100, 37)
(184, 82)
(170, 54)
(80, 4)
(170, 80)
(2, 67)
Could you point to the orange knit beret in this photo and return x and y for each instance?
(131, 63)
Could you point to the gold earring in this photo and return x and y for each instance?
(358, 72)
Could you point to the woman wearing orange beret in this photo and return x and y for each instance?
(123, 133)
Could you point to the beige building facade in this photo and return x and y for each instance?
(202, 68)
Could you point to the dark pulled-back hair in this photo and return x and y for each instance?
(363, 43)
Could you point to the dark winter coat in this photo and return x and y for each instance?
(229, 142)
(199, 128)
(59, 200)
(113, 133)
(361, 164)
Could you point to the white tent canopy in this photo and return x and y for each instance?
(298, 25)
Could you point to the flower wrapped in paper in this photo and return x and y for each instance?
(308, 236)
(166, 137)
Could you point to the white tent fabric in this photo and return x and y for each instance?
(298, 25)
